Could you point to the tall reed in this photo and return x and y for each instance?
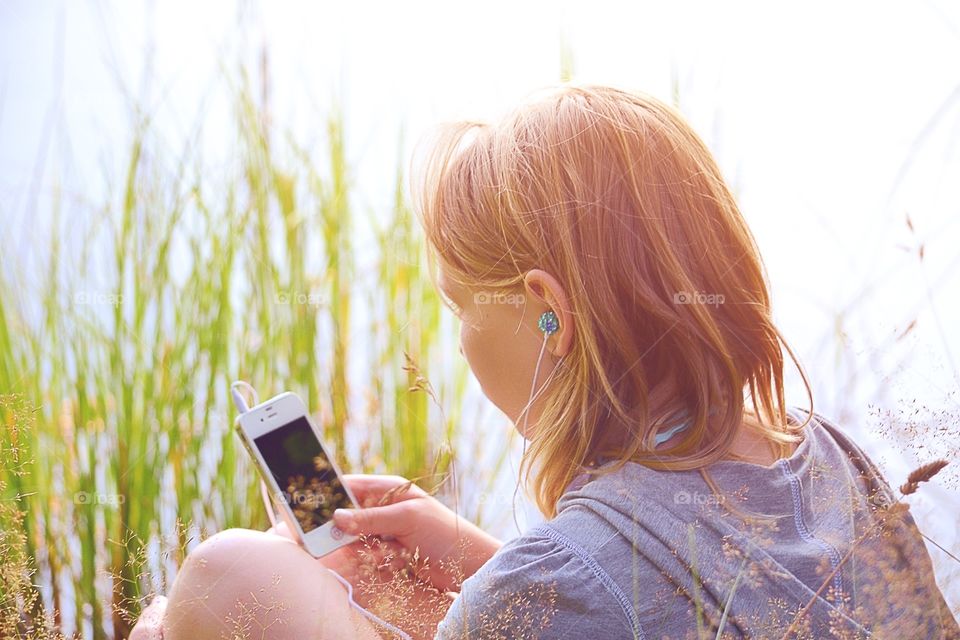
(118, 447)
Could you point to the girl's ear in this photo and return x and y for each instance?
(545, 293)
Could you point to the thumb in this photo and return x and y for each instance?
(391, 519)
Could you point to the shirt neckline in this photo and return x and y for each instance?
(793, 460)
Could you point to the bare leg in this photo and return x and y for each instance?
(242, 583)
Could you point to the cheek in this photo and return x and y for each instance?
(477, 354)
(499, 360)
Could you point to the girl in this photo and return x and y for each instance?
(613, 303)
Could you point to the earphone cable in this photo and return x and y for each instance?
(533, 397)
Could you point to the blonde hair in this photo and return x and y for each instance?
(614, 194)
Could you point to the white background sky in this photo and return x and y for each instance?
(833, 120)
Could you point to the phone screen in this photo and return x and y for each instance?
(303, 472)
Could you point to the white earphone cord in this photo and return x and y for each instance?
(533, 397)
(242, 407)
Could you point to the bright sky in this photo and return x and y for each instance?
(833, 120)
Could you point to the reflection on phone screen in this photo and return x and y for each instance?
(304, 473)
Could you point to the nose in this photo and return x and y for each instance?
(460, 348)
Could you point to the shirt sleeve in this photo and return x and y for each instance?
(534, 588)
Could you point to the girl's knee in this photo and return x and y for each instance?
(246, 583)
(228, 551)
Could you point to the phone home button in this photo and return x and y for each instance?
(336, 533)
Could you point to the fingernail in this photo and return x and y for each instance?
(347, 522)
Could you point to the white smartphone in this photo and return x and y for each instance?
(305, 483)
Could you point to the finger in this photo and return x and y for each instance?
(281, 529)
(376, 490)
(392, 519)
(370, 488)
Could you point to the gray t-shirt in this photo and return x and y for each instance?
(641, 553)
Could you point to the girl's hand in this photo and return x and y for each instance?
(149, 626)
(448, 549)
(385, 579)
(369, 558)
